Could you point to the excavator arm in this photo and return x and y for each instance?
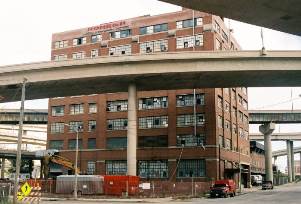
(64, 162)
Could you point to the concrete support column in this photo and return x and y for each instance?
(132, 131)
(275, 160)
(267, 130)
(2, 167)
(293, 160)
(289, 161)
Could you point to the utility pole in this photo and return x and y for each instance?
(76, 158)
(18, 160)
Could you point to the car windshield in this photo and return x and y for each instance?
(220, 185)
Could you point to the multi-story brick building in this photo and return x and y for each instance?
(181, 135)
(257, 158)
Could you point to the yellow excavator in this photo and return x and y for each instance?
(54, 158)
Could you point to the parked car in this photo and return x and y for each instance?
(223, 188)
(256, 180)
(267, 185)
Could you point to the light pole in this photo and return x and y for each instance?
(76, 158)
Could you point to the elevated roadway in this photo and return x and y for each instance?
(152, 72)
(277, 136)
(283, 152)
(31, 116)
(275, 116)
(282, 15)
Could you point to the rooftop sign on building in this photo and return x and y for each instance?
(109, 26)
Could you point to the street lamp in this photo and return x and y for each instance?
(76, 129)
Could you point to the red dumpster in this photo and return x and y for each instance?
(118, 185)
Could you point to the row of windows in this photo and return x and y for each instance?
(121, 123)
(145, 47)
(122, 105)
(74, 126)
(241, 102)
(143, 141)
(187, 168)
(127, 32)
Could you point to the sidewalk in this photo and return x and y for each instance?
(132, 200)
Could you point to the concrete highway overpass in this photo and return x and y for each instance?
(151, 72)
(11, 154)
(31, 116)
(277, 137)
(25, 140)
(282, 15)
(283, 152)
(275, 116)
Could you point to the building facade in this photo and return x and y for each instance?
(257, 158)
(182, 134)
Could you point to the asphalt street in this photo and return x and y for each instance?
(289, 194)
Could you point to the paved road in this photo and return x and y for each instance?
(290, 194)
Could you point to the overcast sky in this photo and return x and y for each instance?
(26, 28)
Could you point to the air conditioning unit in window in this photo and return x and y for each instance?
(135, 39)
(104, 43)
(171, 33)
(148, 50)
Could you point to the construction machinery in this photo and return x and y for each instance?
(51, 156)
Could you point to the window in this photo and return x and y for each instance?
(94, 53)
(220, 102)
(154, 46)
(228, 144)
(92, 108)
(117, 124)
(72, 144)
(153, 169)
(56, 144)
(245, 104)
(96, 38)
(60, 44)
(233, 95)
(244, 90)
(218, 45)
(187, 100)
(76, 109)
(191, 168)
(57, 110)
(234, 113)
(239, 99)
(189, 23)
(152, 141)
(76, 126)
(117, 143)
(57, 128)
(121, 50)
(91, 143)
(92, 125)
(226, 91)
(153, 103)
(234, 128)
(191, 140)
(220, 121)
(246, 134)
(227, 106)
(241, 116)
(227, 125)
(217, 28)
(153, 122)
(117, 167)
(189, 41)
(79, 41)
(225, 36)
(153, 29)
(91, 167)
(78, 55)
(116, 106)
(221, 141)
(160, 27)
(188, 120)
(60, 57)
(241, 133)
(246, 120)
(121, 34)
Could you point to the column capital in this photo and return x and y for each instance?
(267, 128)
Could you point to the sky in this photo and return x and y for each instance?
(27, 26)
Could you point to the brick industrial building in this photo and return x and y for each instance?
(182, 134)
